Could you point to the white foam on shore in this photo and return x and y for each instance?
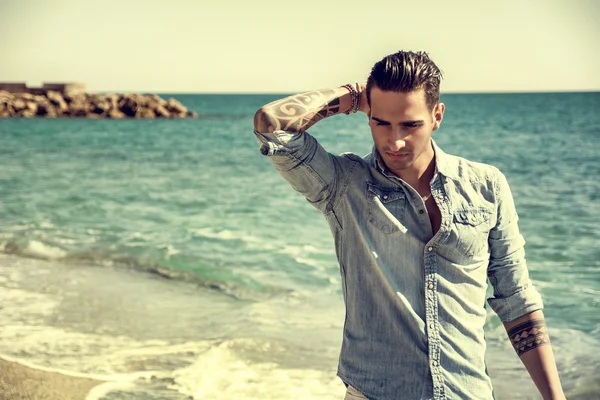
(24, 307)
(223, 374)
(43, 251)
(104, 389)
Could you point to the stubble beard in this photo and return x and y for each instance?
(399, 165)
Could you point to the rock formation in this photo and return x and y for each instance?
(52, 104)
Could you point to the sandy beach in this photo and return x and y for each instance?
(18, 382)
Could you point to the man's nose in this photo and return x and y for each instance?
(396, 141)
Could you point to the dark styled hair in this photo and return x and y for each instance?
(406, 71)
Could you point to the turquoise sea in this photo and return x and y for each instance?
(168, 257)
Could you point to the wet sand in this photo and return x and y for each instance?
(18, 382)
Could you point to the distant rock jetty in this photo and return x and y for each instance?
(54, 100)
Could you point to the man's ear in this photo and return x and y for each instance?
(438, 115)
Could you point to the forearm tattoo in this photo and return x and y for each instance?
(299, 112)
(529, 335)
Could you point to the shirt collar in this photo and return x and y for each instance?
(444, 164)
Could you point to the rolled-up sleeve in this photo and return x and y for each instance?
(514, 293)
(299, 158)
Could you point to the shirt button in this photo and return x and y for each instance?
(430, 286)
(421, 211)
(434, 363)
(431, 326)
(446, 223)
(430, 248)
(385, 197)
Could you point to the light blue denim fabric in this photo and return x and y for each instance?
(415, 301)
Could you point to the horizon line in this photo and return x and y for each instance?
(233, 93)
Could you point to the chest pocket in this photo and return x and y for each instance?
(472, 227)
(386, 208)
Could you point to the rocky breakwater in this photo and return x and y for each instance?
(54, 104)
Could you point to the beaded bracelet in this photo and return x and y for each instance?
(355, 96)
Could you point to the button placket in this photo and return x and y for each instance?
(438, 193)
(431, 297)
(431, 310)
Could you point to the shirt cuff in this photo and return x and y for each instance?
(522, 302)
(278, 142)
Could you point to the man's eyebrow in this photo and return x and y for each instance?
(413, 122)
(381, 121)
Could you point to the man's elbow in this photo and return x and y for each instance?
(264, 122)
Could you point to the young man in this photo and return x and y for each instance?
(417, 232)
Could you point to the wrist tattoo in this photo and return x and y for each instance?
(529, 335)
(298, 113)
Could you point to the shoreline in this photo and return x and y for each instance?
(19, 382)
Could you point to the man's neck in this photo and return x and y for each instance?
(419, 180)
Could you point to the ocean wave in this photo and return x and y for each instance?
(206, 277)
(224, 234)
(279, 246)
(33, 249)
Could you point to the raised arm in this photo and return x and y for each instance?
(529, 337)
(299, 112)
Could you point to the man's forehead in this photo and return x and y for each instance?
(399, 107)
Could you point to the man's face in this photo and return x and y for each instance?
(401, 125)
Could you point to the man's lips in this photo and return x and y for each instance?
(397, 155)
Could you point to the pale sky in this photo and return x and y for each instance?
(279, 46)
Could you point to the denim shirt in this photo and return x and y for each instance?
(415, 300)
